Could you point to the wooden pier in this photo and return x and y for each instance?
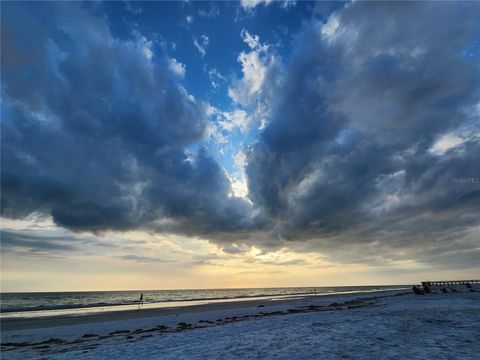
(450, 283)
(445, 286)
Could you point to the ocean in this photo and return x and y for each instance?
(35, 304)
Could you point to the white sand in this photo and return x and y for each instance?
(435, 326)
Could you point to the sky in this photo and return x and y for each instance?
(171, 145)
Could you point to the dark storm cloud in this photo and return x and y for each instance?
(347, 155)
(94, 132)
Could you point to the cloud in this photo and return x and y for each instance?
(214, 132)
(254, 68)
(252, 41)
(239, 187)
(94, 131)
(177, 67)
(201, 45)
(224, 122)
(262, 72)
(145, 259)
(235, 249)
(368, 149)
(13, 240)
(235, 119)
(455, 140)
(283, 263)
(240, 159)
(250, 4)
(254, 71)
(215, 78)
(344, 158)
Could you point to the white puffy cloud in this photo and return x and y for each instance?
(261, 75)
(241, 159)
(254, 69)
(177, 67)
(330, 28)
(253, 41)
(214, 132)
(236, 119)
(250, 4)
(239, 187)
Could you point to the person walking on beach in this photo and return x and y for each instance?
(140, 302)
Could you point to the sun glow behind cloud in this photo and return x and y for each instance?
(138, 260)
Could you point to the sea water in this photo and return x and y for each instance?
(33, 304)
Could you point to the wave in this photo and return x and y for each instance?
(307, 291)
(134, 302)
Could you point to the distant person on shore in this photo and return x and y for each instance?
(140, 302)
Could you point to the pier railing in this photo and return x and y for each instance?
(449, 283)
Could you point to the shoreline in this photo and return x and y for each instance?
(10, 324)
(80, 309)
(104, 309)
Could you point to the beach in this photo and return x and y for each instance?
(241, 179)
(383, 324)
